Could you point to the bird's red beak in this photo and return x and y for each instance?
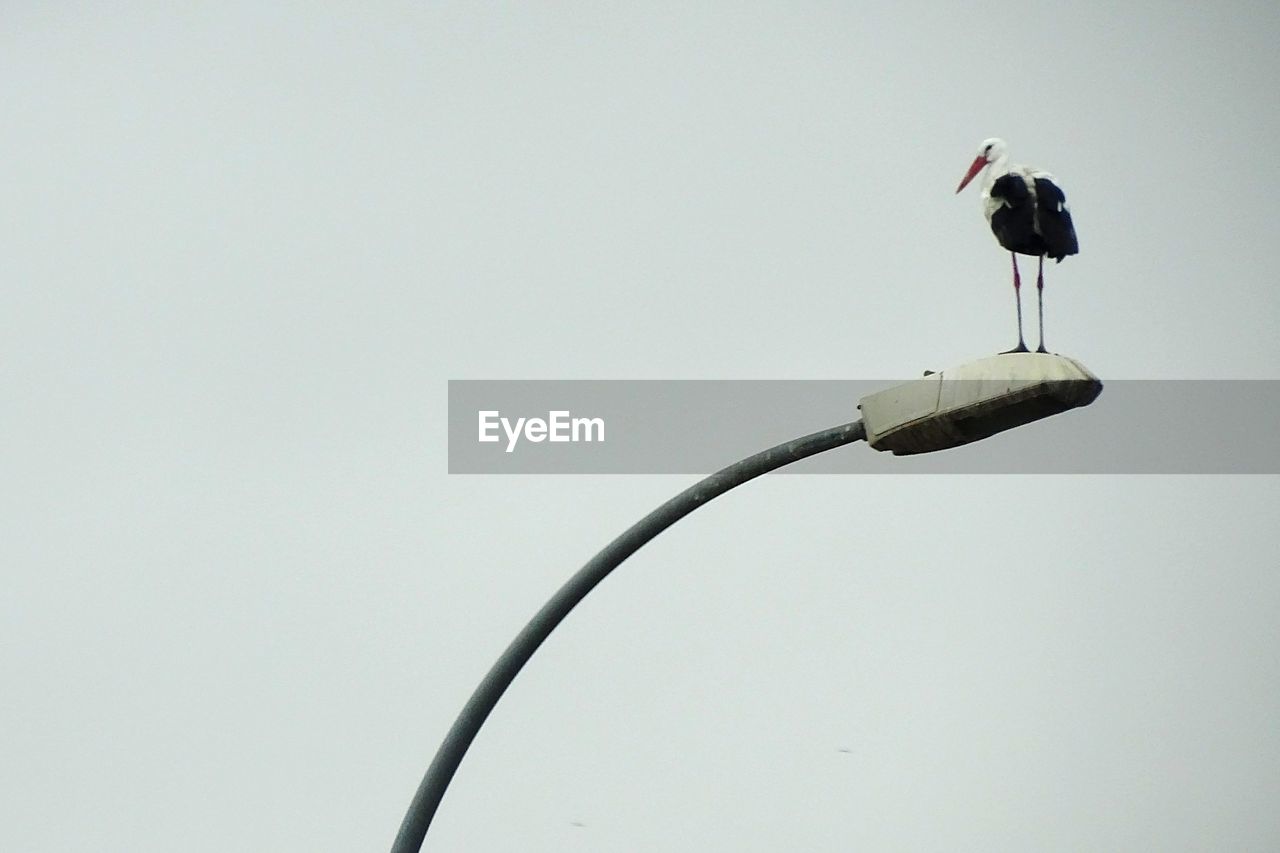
(978, 162)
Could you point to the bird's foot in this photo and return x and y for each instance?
(1021, 347)
(1041, 348)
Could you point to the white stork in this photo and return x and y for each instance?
(1028, 214)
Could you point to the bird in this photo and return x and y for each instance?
(1028, 213)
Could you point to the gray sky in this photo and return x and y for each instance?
(245, 245)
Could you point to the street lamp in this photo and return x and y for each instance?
(942, 410)
(975, 401)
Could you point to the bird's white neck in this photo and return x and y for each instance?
(994, 170)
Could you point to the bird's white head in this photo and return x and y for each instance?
(991, 151)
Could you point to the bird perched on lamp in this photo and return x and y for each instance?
(1028, 213)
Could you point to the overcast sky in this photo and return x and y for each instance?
(245, 245)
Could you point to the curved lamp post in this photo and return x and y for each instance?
(986, 397)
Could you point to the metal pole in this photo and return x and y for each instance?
(427, 799)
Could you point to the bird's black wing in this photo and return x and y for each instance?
(1054, 220)
(1013, 222)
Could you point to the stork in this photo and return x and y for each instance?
(1028, 214)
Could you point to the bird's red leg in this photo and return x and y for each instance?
(1017, 298)
(1040, 302)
